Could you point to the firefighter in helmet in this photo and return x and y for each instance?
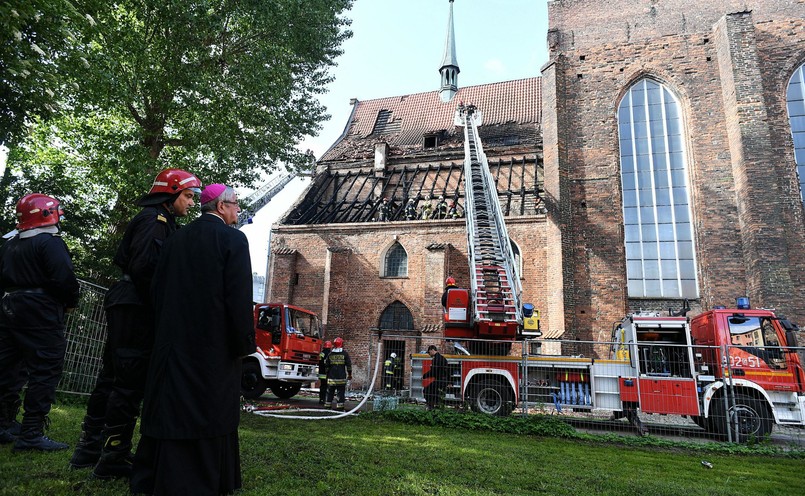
(325, 352)
(449, 283)
(441, 209)
(114, 404)
(390, 369)
(410, 209)
(38, 286)
(339, 371)
(385, 210)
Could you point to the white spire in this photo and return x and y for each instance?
(449, 69)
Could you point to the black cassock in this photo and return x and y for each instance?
(202, 291)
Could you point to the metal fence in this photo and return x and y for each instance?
(86, 335)
(642, 388)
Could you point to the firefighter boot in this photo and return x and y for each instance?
(88, 450)
(339, 407)
(116, 457)
(9, 427)
(32, 438)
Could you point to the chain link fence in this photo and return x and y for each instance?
(86, 335)
(636, 389)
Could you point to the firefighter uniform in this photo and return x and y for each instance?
(114, 404)
(410, 210)
(390, 369)
(339, 371)
(325, 352)
(38, 284)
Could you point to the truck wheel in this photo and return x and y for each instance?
(748, 416)
(252, 383)
(492, 398)
(284, 390)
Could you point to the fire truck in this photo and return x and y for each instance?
(288, 339)
(735, 372)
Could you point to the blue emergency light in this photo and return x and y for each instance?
(528, 310)
(742, 303)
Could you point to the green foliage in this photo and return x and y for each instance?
(223, 89)
(392, 453)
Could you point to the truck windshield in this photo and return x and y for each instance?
(756, 335)
(300, 322)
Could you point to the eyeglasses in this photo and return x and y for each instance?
(229, 202)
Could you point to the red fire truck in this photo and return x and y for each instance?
(289, 339)
(735, 372)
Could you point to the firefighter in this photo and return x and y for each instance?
(441, 209)
(410, 209)
(39, 286)
(449, 283)
(114, 404)
(385, 210)
(452, 211)
(440, 372)
(339, 371)
(390, 368)
(325, 352)
(427, 210)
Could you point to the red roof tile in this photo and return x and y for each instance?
(518, 101)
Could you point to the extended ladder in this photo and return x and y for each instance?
(494, 284)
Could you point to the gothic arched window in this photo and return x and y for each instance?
(658, 233)
(395, 263)
(795, 100)
(396, 316)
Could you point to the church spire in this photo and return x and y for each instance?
(449, 69)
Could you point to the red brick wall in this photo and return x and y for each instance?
(729, 73)
(357, 295)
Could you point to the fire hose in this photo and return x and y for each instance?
(265, 413)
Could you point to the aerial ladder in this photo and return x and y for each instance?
(492, 307)
(261, 196)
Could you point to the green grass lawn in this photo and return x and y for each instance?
(448, 453)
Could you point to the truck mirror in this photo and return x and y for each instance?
(791, 338)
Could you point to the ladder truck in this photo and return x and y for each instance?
(735, 372)
(491, 307)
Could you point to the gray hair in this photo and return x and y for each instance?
(229, 195)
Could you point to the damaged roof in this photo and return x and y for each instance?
(509, 108)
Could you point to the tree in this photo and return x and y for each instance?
(223, 88)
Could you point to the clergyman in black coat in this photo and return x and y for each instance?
(202, 292)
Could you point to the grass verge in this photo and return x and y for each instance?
(412, 452)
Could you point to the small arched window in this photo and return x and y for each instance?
(658, 233)
(795, 101)
(396, 262)
(396, 316)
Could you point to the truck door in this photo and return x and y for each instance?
(755, 353)
(665, 383)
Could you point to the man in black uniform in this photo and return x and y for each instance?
(339, 371)
(440, 372)
(325, 352)
(114, 405)
(38, 286)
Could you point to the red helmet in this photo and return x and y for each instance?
(172, 181)
(338, 342)
(450, 281)
(37, 210)
(328, 344)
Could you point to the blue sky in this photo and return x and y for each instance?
(397, 46)
(396, 49)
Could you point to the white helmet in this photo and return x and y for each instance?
(393, 355)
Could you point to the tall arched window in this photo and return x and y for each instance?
(396, 262)
(396, 316)
(660, 261)
(795, 100)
